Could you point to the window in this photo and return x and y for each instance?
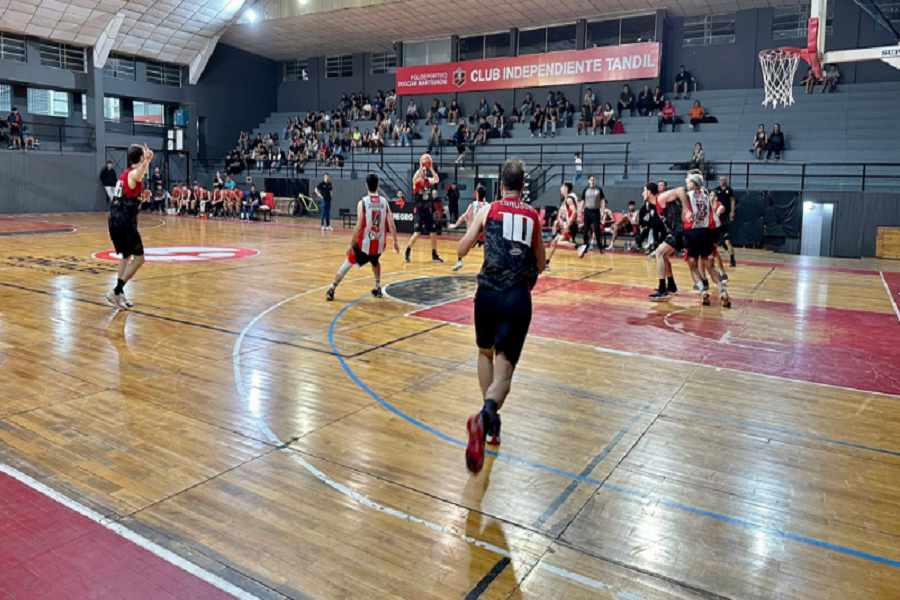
(5, 98)
(478, 47)
(112, 110)
(547, 39)
(148, 113)
(339, 66)
(890, 8)
(119, 66)
(709, 30)
(384, 63)
(432, 52)
(12, 47)
(48, 103)
(296, 70)
(603, 33)
(638, 29)
(793, 21)
(63, 56)
(163, 74)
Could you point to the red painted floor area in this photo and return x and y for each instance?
(854, 349)
(22, 226)
(48, 551)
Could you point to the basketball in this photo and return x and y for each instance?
(425, 161)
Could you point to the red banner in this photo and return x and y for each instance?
(612, 63)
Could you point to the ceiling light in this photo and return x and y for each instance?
(234, 5)
(303, 2)
(251, 15)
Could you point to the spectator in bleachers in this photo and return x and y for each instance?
(375, 141)
(598, 119)
(289, 129)
(776, 143)
(550, 120)
(562, 108)
(356, 142)
(367, 109)
(323, 153)
(412, 113)
(659, 99)
(15, 128)
(696, 114)
(390, 102)
(830, 79)
(406, 136)
(645, 104)
(760, 141)
(536, 123)
(809, 81)
(244, 140)
(527, 108)
(584, 120)
(453, 113)
(278, 159)
(579, 168)
(434, 139)
(684, 82)
(484, 131)
(551, 101)
(608, 119)
(698, 158)
(344, 104)
(483, 111)
(666, 117)
(499, 115)
(590, 99)
(461, 137)
(626, 101)
(433, 114)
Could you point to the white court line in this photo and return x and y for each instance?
(888, 290)
(365, 500)
(135, 538)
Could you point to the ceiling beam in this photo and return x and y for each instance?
(106, 40)
(198, 65)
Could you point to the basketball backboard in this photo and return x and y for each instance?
(817, 54)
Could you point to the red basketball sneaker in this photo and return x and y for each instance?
(475, 449)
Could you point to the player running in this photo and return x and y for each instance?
(668, 206)
(468, 217)
(423, 179)
(567, 222)
(123, 222)
(368, 239)
(513, 259)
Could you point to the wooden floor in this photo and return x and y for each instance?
(305, 449)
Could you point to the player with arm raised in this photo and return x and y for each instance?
(423, 180)
(513, 259)
(368, 240)
(123, 222)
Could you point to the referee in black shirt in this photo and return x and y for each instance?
(726, 199)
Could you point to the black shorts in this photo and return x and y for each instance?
(502, 320)
(571, 231)
(676, 239)
(723, 234)
(700, 243)
(126, 241)
(361, 259)
(423, 221)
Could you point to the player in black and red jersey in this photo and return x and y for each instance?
(513, 259)
(123, 222)
(423, 179)
(368, 241)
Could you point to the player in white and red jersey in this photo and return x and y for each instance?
(513, 259)
(479, 202)
(567, 221)
(701, 225)
(368, 240)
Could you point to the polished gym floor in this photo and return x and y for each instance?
(237, 436)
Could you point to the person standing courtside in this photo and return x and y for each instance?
(324, 191)
(592, 195)
(453, 202)
(109, 179)
(513, 259)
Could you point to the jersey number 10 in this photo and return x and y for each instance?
(518, 228)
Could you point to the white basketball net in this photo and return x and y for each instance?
(778, 68)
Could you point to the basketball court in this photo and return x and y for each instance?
(236, 435)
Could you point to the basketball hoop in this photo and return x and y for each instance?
(779, 65)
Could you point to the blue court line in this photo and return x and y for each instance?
(587, 479)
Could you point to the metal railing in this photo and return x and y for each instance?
(50, 137)
(136, 128)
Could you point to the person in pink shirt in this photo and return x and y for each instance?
(667, 116)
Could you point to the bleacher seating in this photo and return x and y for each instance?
(857, 124)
